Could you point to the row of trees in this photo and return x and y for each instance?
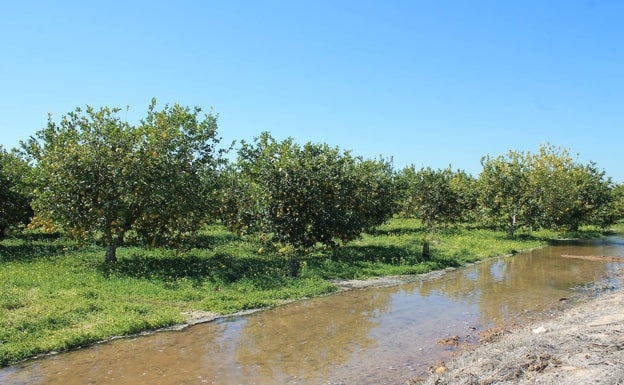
(548, 189)
(95, 176)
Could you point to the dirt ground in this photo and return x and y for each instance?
(582, 345)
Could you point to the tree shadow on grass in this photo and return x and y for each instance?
(395, 231)
(519, 237)
(398, 231)
(30, 247)
(208, 241)
(354, 255)
(392, 255)
(564, 238)
(219, 268)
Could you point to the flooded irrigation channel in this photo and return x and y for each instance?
(377, 335)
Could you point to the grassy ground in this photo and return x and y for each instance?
(56, 294)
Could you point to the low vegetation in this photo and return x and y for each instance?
(56, 294)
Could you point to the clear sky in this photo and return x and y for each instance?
(429, 83)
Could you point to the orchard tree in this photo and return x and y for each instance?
(301, 196)
(611, 212)
(15, 207)
(549, 189)
(437, 197)
(99, 176)
(551, 185)
(595, 200)
(466, 192)
(376, 197)
(617, 199)
(504, 198)
(568, 193)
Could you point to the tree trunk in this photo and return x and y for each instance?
(294, 266)
(111, 252)
(426, 254)
(512, 226)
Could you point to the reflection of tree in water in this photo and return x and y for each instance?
(507, 287)
(302, 338)
(534, 282)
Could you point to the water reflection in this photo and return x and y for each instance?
(315, 331)
(362, 336)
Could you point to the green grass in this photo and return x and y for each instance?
(56, 294)
(618, 227)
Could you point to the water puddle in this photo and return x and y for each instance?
(370, 336)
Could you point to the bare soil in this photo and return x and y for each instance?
(582, 345)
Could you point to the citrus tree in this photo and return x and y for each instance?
(100, 177)
(567, 193)
(436, 197)
(548, 189)
(503, 194)
(15, 207)
(617, 199)
(304, 195)
(465, 187)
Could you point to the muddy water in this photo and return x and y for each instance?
(371, 336)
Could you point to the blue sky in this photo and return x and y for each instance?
(429, 83)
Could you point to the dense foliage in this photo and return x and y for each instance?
(438, 197)
(99, 176)
(300, 196)
(14, 198)
(502, 187)
(548, 189)
(617, 202)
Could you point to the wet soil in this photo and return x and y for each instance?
(582, 345)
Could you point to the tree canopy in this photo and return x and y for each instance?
(15, 207)
(304, 195)
(437, 196)
(100, 177)
(548, 189)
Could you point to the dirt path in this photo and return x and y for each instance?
(583, 345)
